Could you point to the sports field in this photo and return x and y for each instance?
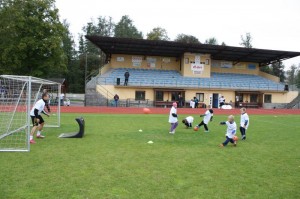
(114, 160)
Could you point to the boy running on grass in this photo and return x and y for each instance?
(37, 120)
(231, 131)
(208, 116)
(244, 123)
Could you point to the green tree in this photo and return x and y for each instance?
(31, 38)
(91, 58)
(74, 74)
(158, 33)
(247, 41)
(125, 29)
(297, 77)
(187, 39)
(212, 41)
(278, 70)
(291, 75)
(266, 69)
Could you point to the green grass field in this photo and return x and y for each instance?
(113, 160)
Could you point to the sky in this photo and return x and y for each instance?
(273, 24)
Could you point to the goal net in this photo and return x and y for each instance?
(17, 96)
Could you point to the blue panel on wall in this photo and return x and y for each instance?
(251, 66)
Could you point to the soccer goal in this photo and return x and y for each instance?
(17, 96)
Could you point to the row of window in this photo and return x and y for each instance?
(140, 95)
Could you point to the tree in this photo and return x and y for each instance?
(125, 29)
(223, 44)
(278, 70)
(74, 73)
(187, 39)
(158, 34)
(31, 38)
(87, 50)
(297, 78)
(247, 41)
(266, 69)
(291, 75)
(212, 41)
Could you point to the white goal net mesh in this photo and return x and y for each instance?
(17, 96)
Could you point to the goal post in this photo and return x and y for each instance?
(17, 96)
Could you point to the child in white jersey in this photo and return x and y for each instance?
(230, 132)
(173, 120)
(244, 123)
(188, 121)
(207, 117)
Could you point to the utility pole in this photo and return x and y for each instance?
(85, 78)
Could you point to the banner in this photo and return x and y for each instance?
(166, 60)
(120, 59)
(151, 62)
(137, 61)
(197, 67)
(226, 64)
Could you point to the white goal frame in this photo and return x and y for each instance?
(17, 96)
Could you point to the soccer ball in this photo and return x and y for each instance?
(235, 138)
(146, 110)
(196, 128)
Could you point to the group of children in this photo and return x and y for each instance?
(207, 117)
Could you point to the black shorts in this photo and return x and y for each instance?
(39, 117)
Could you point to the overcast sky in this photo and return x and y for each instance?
(273, 24)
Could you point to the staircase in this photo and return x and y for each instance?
(293, 103)
(99, 97)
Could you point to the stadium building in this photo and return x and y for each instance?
(160, 71)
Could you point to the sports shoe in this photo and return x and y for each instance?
(243, 137)
(40, 136)
(206, 131)
(221, 145)
(32, 141)
(171, 132)
(234, 144)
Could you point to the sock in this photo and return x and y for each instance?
(31, 137)
(38, 133)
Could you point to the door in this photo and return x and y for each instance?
(215, 100)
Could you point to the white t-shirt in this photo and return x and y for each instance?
(171, 118)
(222, 99)
(39, 105)
(244, 118)
(190, 119)
(231, 129)
(192, 104)
(207, 117)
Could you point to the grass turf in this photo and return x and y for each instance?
(113, 160)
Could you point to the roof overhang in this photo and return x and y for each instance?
(113, 45)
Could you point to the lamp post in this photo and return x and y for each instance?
(85, 77)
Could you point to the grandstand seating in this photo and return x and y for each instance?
(172, 78)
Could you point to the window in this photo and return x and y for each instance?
(253, 98)
(139, 95)
(159, 96)
(200, 97)
(268, 98)
(174, 96)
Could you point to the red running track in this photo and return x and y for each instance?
(133, 110)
